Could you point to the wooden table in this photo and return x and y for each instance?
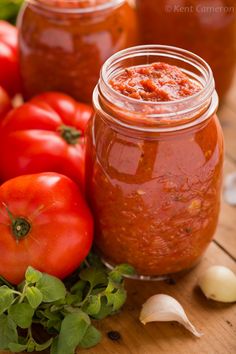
(217, 321)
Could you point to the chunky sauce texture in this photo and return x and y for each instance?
(155, 199)
(64, 51)
(155, 82)
(207, 28)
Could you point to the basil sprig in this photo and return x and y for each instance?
(64, 312)
(9, 9)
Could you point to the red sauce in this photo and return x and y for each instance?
(63, 48)
(155, 82)
(155, 197)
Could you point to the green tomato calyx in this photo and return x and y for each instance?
(70, 134)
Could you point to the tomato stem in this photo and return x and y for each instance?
(70, 134)
(20, 226)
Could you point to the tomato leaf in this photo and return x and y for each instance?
(6, 298)
(51, 288)
(8, 332)
(91, 338)
(32, 275)
(34, 296)
(21, 314)
(73, 329)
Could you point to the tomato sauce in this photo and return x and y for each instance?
(155, 82)
(205, 27)
(155, 195)
(63, 44)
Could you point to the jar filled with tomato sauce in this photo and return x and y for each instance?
(205, 27)
(154, 160)
(63, 43)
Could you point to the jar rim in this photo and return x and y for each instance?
(190, 105)
(76, 10)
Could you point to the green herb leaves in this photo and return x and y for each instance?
(51, 288)
(65, 314)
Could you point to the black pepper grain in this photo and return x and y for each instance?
(114, 335)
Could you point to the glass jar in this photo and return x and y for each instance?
(63, 44)
(205, 27)
(154, 169)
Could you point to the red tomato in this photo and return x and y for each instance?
(45, 135)
(45, 223)
(9, 61)
(5, 103)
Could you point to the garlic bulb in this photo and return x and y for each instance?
(165, 308)
(219, 284)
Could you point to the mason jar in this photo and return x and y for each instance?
(207, 28)
(154, 168)
(63, 44)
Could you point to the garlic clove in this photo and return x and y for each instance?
(230, 189)
(163, 307)
(218, 283)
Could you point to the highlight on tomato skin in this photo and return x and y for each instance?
(45, 134)
(44, 223)
(9, 59)
(5, 103)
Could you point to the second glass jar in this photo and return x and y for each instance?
(205, 27)
(63, 44)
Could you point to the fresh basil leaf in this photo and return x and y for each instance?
(51, 288)
(6, 298)
(17, 348)
(43, 346)
(95, 261)
(9, 9)
(73, 329)
(34, 296)
(53, 349)
(118, 272)
(119, 299)
(93, 305)
(74, 299)
(8, 332)
(93, 276)
(125, 269)
(21, 314)
(78, 287)
(91, 338)
(105, 310)
(32, 275)
(31, 345)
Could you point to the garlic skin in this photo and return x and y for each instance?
(218, 283)
(163, 307)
